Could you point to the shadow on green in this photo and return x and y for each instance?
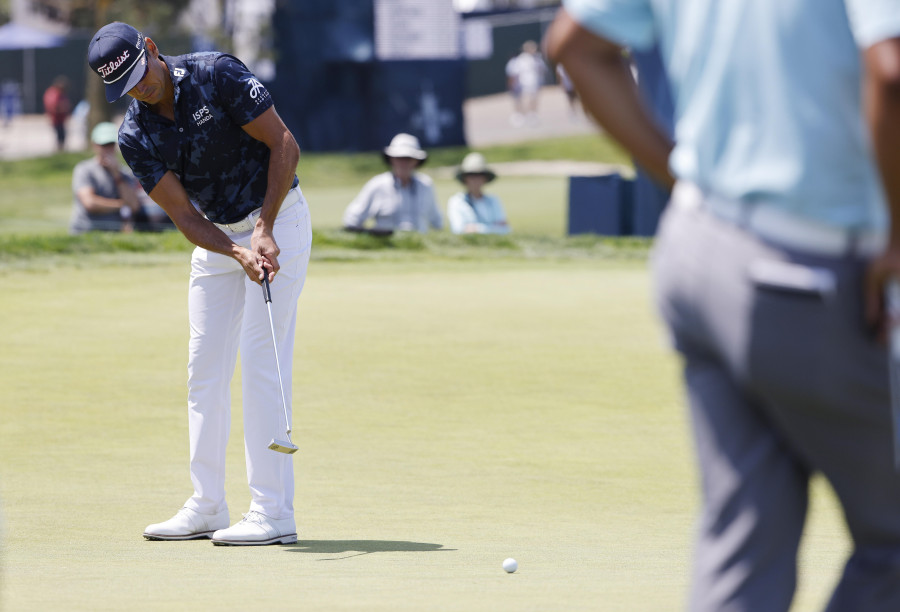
(362, 547)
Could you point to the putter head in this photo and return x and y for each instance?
(280, 446)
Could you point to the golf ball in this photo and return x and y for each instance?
(510, 565)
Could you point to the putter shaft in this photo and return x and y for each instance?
(280, 446)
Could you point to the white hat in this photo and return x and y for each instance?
(474, 163)
(405, 145)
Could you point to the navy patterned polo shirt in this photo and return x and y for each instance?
(223, 169)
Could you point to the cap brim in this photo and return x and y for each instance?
(487, 174)
(116, 90)
(404, 152)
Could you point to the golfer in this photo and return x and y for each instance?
(203, 138)
(784, 225)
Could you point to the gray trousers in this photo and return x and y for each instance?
(783, 381)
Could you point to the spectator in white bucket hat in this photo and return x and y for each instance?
(401, 199)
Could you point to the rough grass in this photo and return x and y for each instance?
(61, 250)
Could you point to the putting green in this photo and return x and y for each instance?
(449, 415)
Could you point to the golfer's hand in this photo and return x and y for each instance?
(250, 262)
(881, 269)
(263, 244)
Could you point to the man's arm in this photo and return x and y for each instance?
(171, 196)
(607, 90)
(97, 204)
(284, 156)
(881, 92)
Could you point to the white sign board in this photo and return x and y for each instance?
(416, 30)
(478, 39)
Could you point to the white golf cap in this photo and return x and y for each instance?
(405, 145)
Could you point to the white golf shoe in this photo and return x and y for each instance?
(257, 529)
(187, 524)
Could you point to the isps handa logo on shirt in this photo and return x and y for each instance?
(258, 93)
(202, 115)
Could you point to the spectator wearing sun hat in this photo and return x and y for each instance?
(401, 199)
(472, 211)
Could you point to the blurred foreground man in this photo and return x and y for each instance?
(203, 138)
(770, 265)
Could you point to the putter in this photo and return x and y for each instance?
(281, 446)
(892, 305)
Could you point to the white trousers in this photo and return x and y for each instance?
(227, 311)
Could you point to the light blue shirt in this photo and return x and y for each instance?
(767, 96)
(485, 213)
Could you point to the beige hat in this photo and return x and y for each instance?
(405, 145)
(474, 163)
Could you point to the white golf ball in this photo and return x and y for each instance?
(510, 565)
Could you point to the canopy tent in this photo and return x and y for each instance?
(18, 37)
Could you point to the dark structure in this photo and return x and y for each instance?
(335, 94)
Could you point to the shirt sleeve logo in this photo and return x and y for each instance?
(257, 91)
(179, 72)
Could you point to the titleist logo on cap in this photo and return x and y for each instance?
(108, 69)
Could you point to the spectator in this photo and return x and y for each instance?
(58, 107)
(104, 190)
(526, 72)
(10, 101)
(515, 91)
(473, 211)
(401, 199)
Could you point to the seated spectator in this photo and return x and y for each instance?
(398, 200)
(473, 211)
(106, 195)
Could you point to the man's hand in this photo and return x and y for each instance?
(881, 270)
(266, 251)
(251, 264)
(109, 163)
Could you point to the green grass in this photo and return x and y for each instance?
(450, 414)
(140, 250)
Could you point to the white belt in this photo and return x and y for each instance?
(249, 222)
(775, 225)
